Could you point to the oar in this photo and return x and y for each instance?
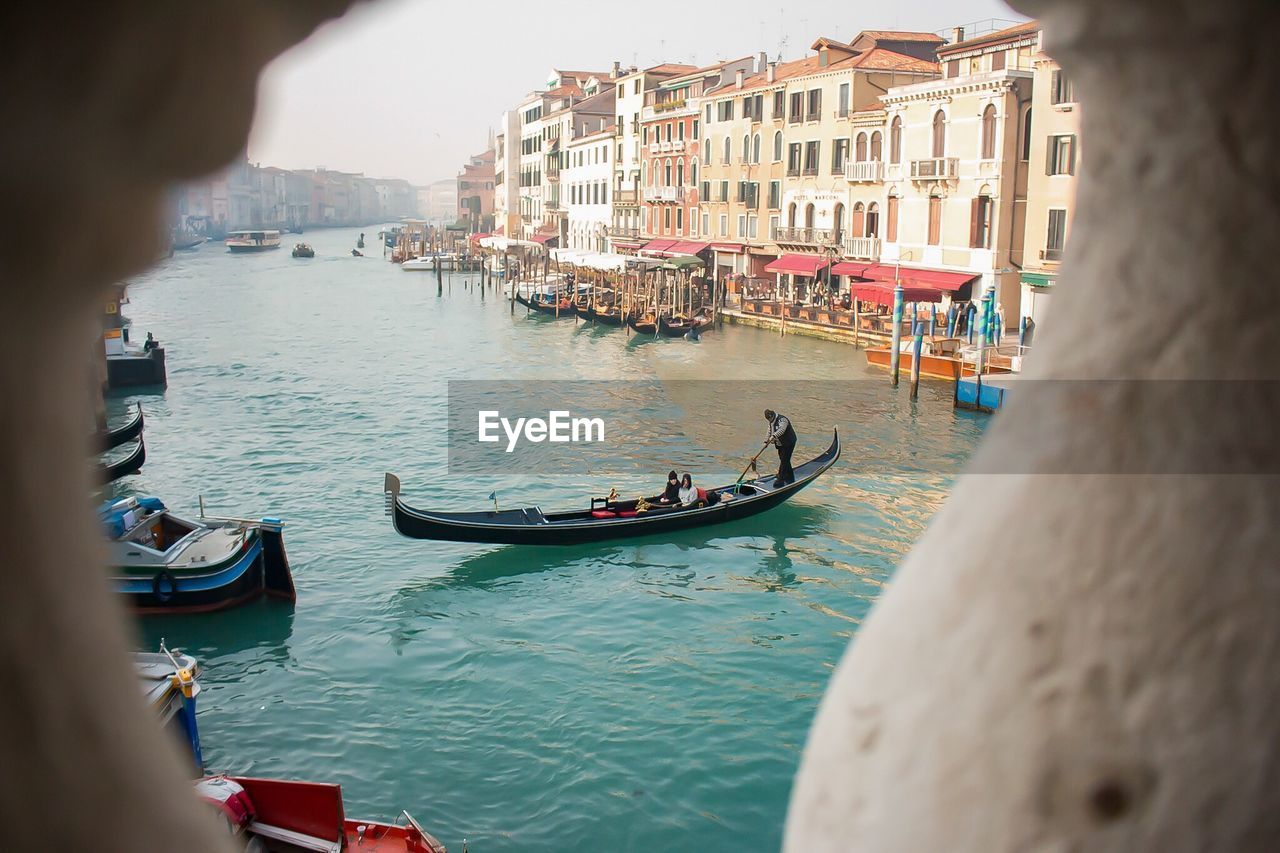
(751, 466)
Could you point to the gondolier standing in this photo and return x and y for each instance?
(782, 436)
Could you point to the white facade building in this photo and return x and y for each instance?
(506, 178)
(585, 190)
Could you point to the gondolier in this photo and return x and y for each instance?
(782, 436)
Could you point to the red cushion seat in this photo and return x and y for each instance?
(702, 494)
(627, 513)
(603, 513)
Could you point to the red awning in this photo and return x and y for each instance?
(658, 245)
(476, 238)
(881, 292)
(809, 265)
(543, 238)
(690, 247)
(734, 248)
(853, 268)
(942, 280)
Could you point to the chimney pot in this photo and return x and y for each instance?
(617, 69)
(957, 35)
(771, 73)
(739, 77)
(762, 62)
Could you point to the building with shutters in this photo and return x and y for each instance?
(1052, 141)
(586, 182)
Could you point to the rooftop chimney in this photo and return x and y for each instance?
(739, 77)
(762, 62)
(957, 35)
(771, 72)
(617, 70)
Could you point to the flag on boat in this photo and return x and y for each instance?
(493, 496)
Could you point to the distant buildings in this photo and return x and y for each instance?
(475, 193)
(894, 156)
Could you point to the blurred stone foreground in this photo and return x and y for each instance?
(1063, 663)
(103, 106)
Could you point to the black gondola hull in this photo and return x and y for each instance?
(116, 437)
(642, 327)
(531, 527)
(542, 308)
(680, 328)
(131, 464)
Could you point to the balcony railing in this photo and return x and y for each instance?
(863, 248)
(664, 194)
(808, 236)
(863, 171)
(625, 196)
(670, 109)
(935, 169)
(625, 233)
(655, 147)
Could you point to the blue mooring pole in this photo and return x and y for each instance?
(953, 314)
(916, 358)
(895, 345)
(969, 322)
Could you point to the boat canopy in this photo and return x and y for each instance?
(502, 244)
(113, 513)
(603, 261)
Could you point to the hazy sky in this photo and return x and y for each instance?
(409, 88)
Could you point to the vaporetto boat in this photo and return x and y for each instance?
(252, 241)
(164, 563)
(605, 519)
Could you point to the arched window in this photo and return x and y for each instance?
(837, 220)
(708, 152)
(746, 149)
(666, 173)
(895, 140)
(859, 219)
(809, 214)
(873, 220)
(728, 151)
(860, 148)
(680, 173)
(777, 147)
(939, 134)
(755, 148)
(1026, 135)
(989, 132)
(791, 215)
(876, 145)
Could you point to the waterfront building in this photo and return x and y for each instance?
(476, 191)
(955, 173)
(569, 118)
(670, 135)
(506, 184)
(585, 183)
(1051, 137)
(629, 94)
(779, 142)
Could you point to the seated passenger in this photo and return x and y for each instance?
(672, 493)
(688, 494)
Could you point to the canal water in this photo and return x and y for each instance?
(644, 695)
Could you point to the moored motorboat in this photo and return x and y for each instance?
(252, 241)
(303, 250)
(604, 519)
(170, 685)
(937, 366)
(278, 816)
(163, 563)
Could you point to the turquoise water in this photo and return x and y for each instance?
(652, 694)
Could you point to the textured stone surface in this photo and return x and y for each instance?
(1069, 661)
(103, 106)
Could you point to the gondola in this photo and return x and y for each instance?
(604, 519)
(131, 464)
(303, 250)
(678, 327)
(644, 325)
(567, 308)
(610, 316)
(113, 438)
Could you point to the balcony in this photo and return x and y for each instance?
(863, 171)
(807, 236)
(668, 109)
(935, 169)
(625, 233)
(862, 248)
(668, 195)
(628, 197)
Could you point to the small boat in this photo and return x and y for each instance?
(546, 305)
(356, 253)
(608, 315)
(164, 563)
(276, 815)
(303, 250)
(680, 326)
(185, 240)
(605, 519)
(426, 263)
(113, 438)
(252, 241)
(131, 464)
(170, 684)
(644, 324)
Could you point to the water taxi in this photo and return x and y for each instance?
(252, 241)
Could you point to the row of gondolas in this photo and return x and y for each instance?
(163, 562)
(563, 298)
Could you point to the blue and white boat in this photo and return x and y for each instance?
(163, 563)
(169, 681)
